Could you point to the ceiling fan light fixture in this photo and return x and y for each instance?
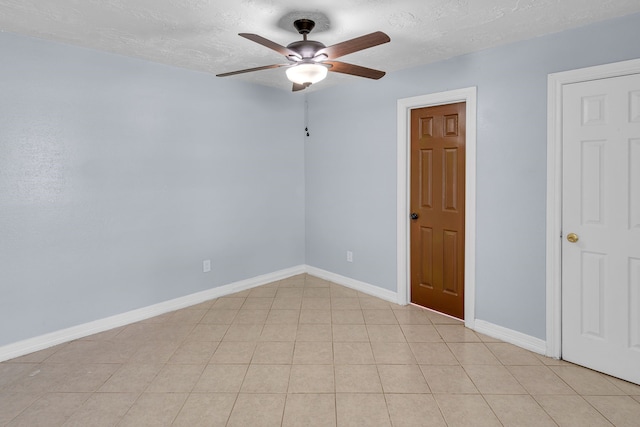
(307, 73)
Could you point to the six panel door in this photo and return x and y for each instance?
(437, 208)
(601, 225)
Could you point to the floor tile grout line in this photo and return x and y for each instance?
(181, 339)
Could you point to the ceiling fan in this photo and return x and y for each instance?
(309, 60)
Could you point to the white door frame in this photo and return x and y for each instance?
(468, 95)
(555, 83)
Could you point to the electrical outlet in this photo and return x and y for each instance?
(349, 256)
(206, 266)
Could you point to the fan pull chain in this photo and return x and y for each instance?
(306, 116)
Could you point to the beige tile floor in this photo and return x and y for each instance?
(304, 352)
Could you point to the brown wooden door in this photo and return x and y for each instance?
(437, 199)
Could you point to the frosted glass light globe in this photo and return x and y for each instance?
(306, 73)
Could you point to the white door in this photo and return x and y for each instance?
(601, 209)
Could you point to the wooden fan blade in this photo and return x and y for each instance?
(297, 87)
(354, 45)
(248, 70)
(271, 45)
(354, 70)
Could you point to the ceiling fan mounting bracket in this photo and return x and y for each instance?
(304, 26)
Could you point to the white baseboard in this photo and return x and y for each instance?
(363, 287)
(512, 337)
(42, 342)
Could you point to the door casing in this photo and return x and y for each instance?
(555, 82)
(404, 107)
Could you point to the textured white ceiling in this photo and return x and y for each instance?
(202, 34)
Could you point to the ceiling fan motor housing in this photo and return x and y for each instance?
(306, 48)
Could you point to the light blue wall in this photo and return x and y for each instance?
(119, 176)
(350, 165)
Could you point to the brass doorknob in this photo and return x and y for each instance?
(572, 237)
